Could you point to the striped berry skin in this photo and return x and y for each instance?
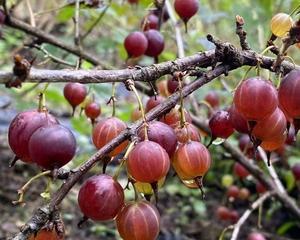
(256, 98)
(191, 160)
(101, 198)
(148, 162)
(288, 94)
(138, 221)
(106, 130)
(162, 134)
(220, 124)
(188, 132)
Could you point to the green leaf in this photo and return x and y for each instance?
(285, 227)
(290, 180)
(65, 14)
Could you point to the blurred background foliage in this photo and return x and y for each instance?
(183, 210)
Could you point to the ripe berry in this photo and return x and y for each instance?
(220, 125)
(138, 220)
(46, 234)
(223, 213)
(234, 216)
(92, 110)
(148, 162)
(150, 22)
(271, 126)
(186, 9)
(296, 171)
(244, 194)
(281, 24)
(162, 134)
(288, 94)
(191, 160)
(173, 117)
(75, 94)
(136, 114)
(260, 188)
(213, 99)
(172, 85)
(250, 98)
(162, 88)
(106, 130)
(21, 129)
(274, 143)
(156, 43)
(153, 102)
(52, 146)
(240, 171)
(238, 122)
(186, 133)
(233, 191)
(101, 198)
(136, 44)
(256, 236)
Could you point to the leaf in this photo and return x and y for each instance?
(290, 180)
(285, 227)
(45, 195)
(65, 14)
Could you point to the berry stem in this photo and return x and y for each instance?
(23, 189)
(113, 99)
(42, 102)
(145, 124)
(181, 109)
(129, 149)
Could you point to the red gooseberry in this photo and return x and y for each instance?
(186, 133)
(52, 146)
(92, 110)
(240, 171)
(101, 198)
(153, 102)
(136, 44)
(156, 43)
(191, 160)
(162, 134)
(21, 129)
(220, 125)
(148, 162)
(138, 221)
(75, 94)
(106, 130)
(250, 98)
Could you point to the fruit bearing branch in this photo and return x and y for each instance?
(153, 72)
(225, 57)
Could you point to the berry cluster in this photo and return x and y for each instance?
(37, 137)
(150, 41)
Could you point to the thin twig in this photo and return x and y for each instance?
(271, 170)
(247, 213)
(31, 15)
(96, 22)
